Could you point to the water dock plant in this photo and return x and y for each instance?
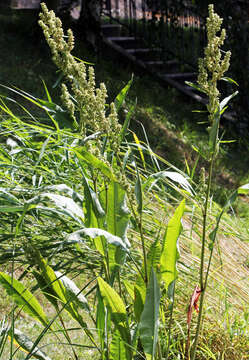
(82, 196)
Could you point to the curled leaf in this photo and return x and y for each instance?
(193, 303)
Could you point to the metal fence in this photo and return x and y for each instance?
(172, 26)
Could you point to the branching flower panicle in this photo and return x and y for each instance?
(89, 102)
(213, 66)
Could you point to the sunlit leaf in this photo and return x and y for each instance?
(23, 298)
(79, 235)
(73, 292)
(27, 345)
(170, 252)
(175, 177)
(92, 160)
(244, 189)
(120, 98)
(118, 312)
(117, 348)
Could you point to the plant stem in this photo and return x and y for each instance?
(170, 323)
(204, 229)
(144, 250)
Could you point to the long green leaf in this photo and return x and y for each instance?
(117, 220)
(139, 193)
(94, 214)
(176, 177)
(170, 253)
(102, 323)
(23, 298)
(140, 295)
(120, 98)
(94, 233)
(153, 257)
(117, 309)
(126, 122)
(149, 323)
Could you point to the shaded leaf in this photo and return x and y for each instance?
(139, 193)
(149, 322)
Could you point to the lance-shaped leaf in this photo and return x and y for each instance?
(23, 298)
(126, 122)
(27, 345)
(66, 204)
(139, 193)
(79, 235)
(120, 98)
(175, 177)
(72, 291)
(117, 309)
(170, 253)
(149, 323)
(117, 220)
(94, 213)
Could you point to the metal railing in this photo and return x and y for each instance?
(176, 29)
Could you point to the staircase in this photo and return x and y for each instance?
(135, 50)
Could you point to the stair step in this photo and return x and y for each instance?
(111, 30)
(142, 50)
(161, 62)
(121, 38)
(145, 54)
(162, 66)
(181, 76)
(126, 42)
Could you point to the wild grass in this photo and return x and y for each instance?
(108, 216)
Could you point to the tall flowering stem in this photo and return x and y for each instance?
(211, 69)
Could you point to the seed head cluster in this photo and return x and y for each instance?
(87, 107)
(213, 66)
